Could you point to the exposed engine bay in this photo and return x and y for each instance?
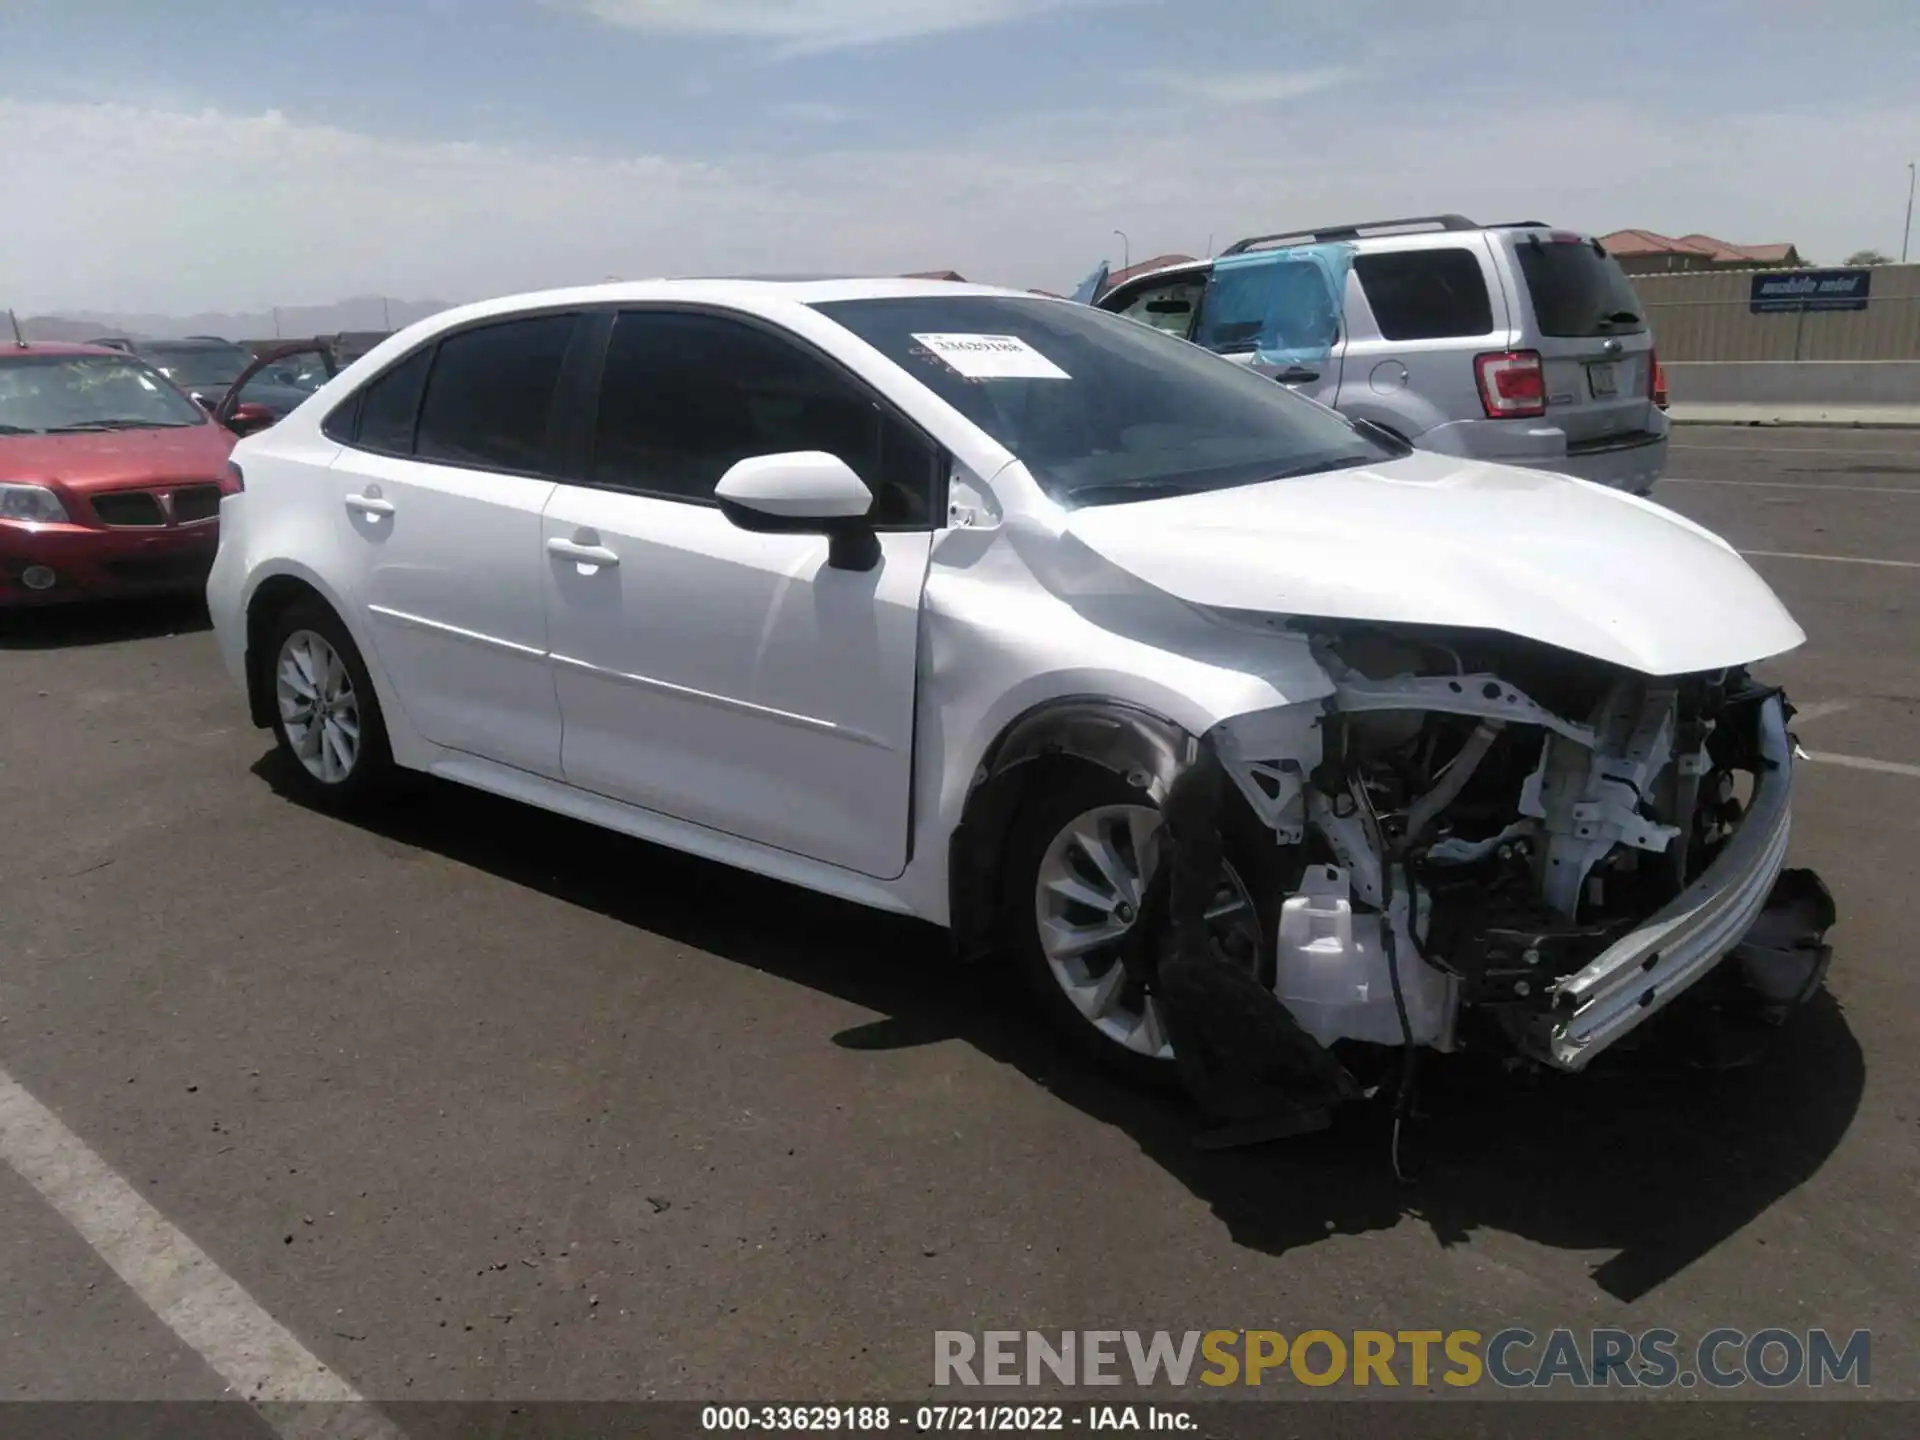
(1484, 830)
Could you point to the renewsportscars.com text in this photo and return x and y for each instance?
(1511, 1358)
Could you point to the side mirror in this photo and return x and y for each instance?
(803, 492)
(249, 417)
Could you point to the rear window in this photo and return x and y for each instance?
(1578, 290)
(1426, 294)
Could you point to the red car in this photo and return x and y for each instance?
(110, 477)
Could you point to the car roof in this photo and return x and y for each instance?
(724, 291)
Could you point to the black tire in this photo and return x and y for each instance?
(1067, 793)
(371, 772)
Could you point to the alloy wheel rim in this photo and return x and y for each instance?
(318, 707)
(1087, 900)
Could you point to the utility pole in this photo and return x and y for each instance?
(276, 322)
(386, 317)
(1126, 250)
(1907, 233)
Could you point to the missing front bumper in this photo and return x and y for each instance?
(1644, 971)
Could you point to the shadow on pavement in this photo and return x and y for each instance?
(101, 622)
(1649, 1157)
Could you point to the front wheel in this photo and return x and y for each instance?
(1078, 866)
(325, 714)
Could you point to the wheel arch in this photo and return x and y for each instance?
(1136, 744)
(269, 595)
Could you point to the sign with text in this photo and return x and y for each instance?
(1788, 291)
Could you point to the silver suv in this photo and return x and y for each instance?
(1514, 342)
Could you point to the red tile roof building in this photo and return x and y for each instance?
(1646, 252)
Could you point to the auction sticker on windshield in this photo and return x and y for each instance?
(993, 357)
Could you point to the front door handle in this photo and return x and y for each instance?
(584, 554)
(369, 504)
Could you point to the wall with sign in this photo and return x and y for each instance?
(1835, 314)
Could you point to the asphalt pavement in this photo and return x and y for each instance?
(480, 1103)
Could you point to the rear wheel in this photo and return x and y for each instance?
(325, 714)
(1081, 857)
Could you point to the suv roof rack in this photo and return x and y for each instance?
(1516, 225)
(217, 339)
(1354, 231)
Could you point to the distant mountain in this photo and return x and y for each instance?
(294, 321)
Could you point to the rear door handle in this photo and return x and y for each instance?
(584, 554)
(369, 504)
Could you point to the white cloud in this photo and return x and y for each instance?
(1263, 87)
(112, 207)
(818, 24)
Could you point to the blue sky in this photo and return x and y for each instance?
(230, 154)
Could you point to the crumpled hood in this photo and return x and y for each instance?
(109, 459)
(1435, 540)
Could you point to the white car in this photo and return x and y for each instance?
(932, 596)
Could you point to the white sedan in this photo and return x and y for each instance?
(930, 596)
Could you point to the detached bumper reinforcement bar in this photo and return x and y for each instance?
(1639, 973)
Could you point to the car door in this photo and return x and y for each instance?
(736, 679)
(1282, 312)
(446, 469)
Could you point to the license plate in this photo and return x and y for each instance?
(1604, 380)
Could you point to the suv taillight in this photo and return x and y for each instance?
(1656, 380)
(1512, 384)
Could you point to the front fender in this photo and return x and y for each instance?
(1146, 750)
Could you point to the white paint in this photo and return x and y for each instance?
(1792, 485)
(192, 1296)
(728, 692)
(1863, 762)
(993, 357)
(1836, 559)
(804, 485)
(1439, 540)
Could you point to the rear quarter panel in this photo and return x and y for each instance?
(1411, 386)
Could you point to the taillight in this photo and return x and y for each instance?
(237, 475)
(1656, 380)
(1512, 384)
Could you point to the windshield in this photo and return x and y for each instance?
(1102, 409)
(1578, 291)
(42, 394)
(199, 365)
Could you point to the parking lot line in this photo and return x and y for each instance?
(1790, 449)
(1862, 762)
(192, 1296)
(1792, 485)
(1836, 559)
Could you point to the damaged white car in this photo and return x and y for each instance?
(1247, 730)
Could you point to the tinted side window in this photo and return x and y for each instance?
(1426, 294)
(490, 395)
(684, 397)
(389, 406)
